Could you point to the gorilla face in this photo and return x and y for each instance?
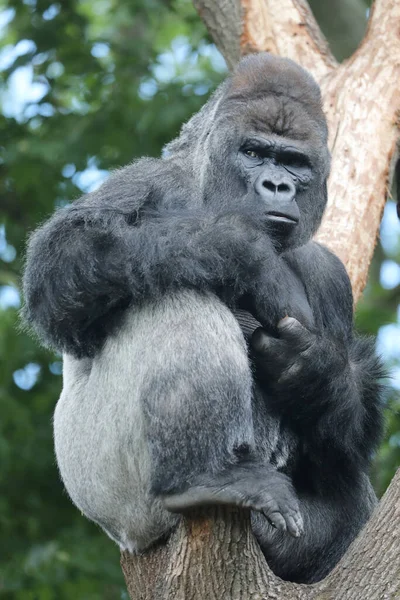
(266, 148)
(277, 174)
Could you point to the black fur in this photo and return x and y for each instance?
(202, 219)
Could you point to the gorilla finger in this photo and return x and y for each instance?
(290, 373)
(299, 522)
(295, 528)
(276, 520)
(263, 343)
(291, 330)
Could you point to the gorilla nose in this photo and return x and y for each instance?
(279, 191)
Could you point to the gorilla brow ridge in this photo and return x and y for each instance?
(283, 130)
(305, 105)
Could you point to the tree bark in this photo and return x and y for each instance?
(213, 554)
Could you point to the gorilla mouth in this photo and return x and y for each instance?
(280, 217)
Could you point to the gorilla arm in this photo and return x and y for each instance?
(325, 387)
(128, 242)
(332, 403)
(325, 384)
(326, 391)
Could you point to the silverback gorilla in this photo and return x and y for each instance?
(209, 353)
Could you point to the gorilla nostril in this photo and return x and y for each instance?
(283, 187)
(269, 186)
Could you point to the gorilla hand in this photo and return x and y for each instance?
(296, 356)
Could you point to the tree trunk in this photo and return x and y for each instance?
(213, 554)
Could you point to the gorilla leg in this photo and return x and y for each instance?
(253, 485)
(330, 525)
(197, 397)
(199, 418)
(162, 412)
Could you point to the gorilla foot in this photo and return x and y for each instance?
(259, 488)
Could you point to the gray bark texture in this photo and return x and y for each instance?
(213, 554)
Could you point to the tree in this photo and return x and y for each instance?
(213, 554)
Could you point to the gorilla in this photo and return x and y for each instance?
(208, 344)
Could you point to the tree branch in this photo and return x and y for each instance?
(288, 29)
(223, 20)
(362, 104)
(370, 568)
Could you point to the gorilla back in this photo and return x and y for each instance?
(209, 353)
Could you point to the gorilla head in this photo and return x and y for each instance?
(261, 142)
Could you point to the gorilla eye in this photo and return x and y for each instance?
(252, 153)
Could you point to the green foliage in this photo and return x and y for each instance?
(113, 80)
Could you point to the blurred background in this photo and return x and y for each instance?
(86, 86)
